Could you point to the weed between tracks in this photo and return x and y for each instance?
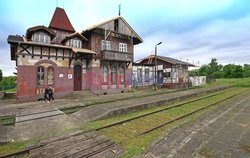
(125, 134)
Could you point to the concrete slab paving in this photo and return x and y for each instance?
(224, 132)
(40, 115)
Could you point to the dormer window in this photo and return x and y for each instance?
(75, 43)
(41, 38)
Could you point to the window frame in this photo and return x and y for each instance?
(113, 74)
(146, 75)
(40, 75)
(122, 69)
(53, 75)
(105, 78)
(76, 43)
(139, 75)
(123, 47)
(108, 45)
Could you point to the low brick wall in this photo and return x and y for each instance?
(2, 95)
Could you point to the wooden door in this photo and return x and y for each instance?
(77, 78)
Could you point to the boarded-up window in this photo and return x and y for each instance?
(40, 76)
(105, 73)
(113, 74)
(50, 76)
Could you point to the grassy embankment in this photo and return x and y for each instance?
(237, 82)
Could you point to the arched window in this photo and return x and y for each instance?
(40, 76)
(50, 76)
(105, 73)
(113, 74)
(122, 74)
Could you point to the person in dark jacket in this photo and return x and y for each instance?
(46, 95)
(51, 93)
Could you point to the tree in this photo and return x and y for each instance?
(1, 75)
(246, 70)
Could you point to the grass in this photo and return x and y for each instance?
(236, 82)
(8, 120)
(125, 134)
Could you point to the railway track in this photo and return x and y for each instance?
(161, 110)
(105, 145)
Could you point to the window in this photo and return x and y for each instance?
(40, 76)
(113, 74)
(146, 75)
(122, 74)
(139, 75)
(108, 45)
(75, 43)
(50, 76)
(43, 38)
(123, 47)
(105, 73)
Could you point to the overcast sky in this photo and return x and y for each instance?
(189, 29)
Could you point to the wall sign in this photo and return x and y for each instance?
(60, 75)
(69, 76)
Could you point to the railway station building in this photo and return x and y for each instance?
(98, 59)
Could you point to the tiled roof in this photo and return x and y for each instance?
(61, 21)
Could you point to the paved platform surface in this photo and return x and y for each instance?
(105, 110)
(223, 133)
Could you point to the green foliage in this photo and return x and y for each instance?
(246, 70)
(1, 75)
(8, 83)
(214, 70)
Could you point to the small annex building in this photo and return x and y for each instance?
(171, 73)
(97, 59)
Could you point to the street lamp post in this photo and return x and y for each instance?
(156, 65)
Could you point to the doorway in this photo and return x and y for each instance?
(77, 78)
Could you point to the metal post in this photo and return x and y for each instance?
(156, 65)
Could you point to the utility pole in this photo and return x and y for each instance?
(156, 65)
